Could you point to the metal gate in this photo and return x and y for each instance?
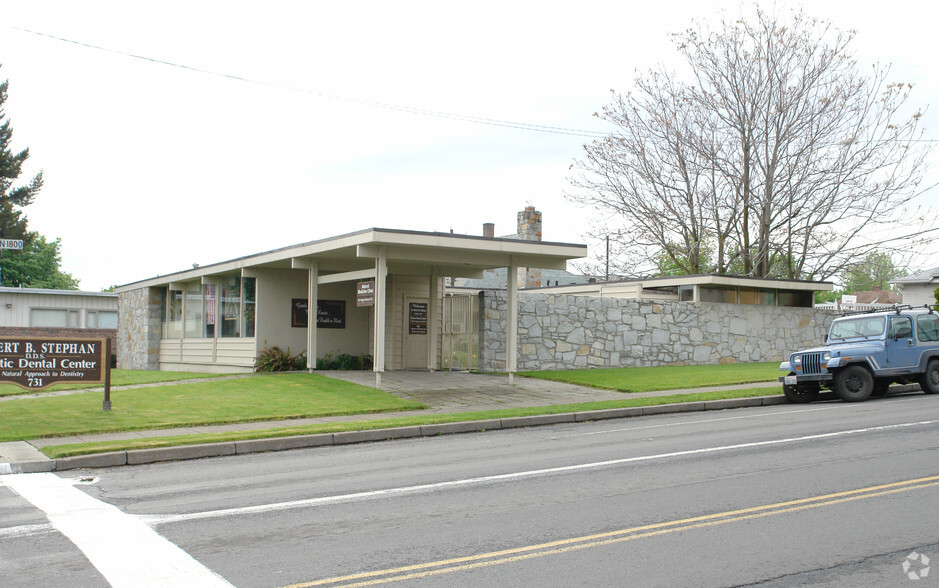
(461, 331)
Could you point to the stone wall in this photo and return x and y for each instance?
(559, 331)
(138, 332)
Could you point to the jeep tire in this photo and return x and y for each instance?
(929, 381)
(855, 384)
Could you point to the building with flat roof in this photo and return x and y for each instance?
(377, 292)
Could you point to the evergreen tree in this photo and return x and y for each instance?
(13, 196)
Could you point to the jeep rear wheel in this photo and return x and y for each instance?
(929, 381)
(800, 394)
(854, 383)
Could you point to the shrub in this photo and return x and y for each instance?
(344, 361)
(275, 359)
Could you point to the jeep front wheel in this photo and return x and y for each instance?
(929, 381)
(854, 384)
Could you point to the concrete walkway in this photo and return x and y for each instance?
(443, 393)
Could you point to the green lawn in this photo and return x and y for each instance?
(258, 398)
(56, 451)
(264, 397)
(648, 379)
(118, 378)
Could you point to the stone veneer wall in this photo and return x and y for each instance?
(138, 329)
(560, 331)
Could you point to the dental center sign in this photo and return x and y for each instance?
(35, 363)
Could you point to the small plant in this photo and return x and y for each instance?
(275, 359)
(344, 361)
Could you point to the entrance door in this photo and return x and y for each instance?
(415, 333)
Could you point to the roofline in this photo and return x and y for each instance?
(310, 248)
(724, 279)
(51, 291)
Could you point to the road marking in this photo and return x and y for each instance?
(561, 546)
(435, 486)
(125, 550)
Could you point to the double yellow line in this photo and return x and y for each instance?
(494, 558)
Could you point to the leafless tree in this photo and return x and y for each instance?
(776, 157)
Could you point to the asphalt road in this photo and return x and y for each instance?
(829, 494)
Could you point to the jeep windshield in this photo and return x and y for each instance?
(863, 326)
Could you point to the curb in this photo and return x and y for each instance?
(186, 452)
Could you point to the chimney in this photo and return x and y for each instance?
(529, 229)
(489, 230)
(529, 224)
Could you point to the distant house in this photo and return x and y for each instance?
(918, 288)
(36, 312)
(878, 296)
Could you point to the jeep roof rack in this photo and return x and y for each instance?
(897, 308)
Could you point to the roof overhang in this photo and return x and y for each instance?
(406, 252)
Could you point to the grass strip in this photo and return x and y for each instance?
(57, 451)
(263, 397)
(648, 379)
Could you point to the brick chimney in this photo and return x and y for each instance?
(489, 230)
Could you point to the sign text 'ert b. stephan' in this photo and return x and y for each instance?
(35, 363)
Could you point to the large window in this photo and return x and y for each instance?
(211, 309)
(248, 286)
(225, 309)
(231, 306)
(173, 325)
(192, 310)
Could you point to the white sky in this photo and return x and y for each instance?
(150, 168)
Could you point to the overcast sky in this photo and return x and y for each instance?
(173, 133)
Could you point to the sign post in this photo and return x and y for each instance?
(35, 363)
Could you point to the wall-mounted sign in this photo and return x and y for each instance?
(365, 293)
(417, 318)
(34, 363)
(298, 312)
(330, 314)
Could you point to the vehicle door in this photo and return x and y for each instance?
(900, 345)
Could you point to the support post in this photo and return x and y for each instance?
(511, 316)
(312, 295)
(432, 321)
(381, 273)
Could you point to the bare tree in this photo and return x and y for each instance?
(777, 158)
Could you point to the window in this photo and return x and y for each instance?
(686, 293)
(857, 327)
(718, 294)
(231, 306)
(749, 296)
(192, 310)
(48, 317)
(107, 319)
(210, 310)
(248, 286)
(173, 326)
(795, 298)
(927, 327)
(901, 327)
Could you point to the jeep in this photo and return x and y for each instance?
(866, 352)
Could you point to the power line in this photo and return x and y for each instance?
(363, 101)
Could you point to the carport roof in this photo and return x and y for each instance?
(408, 252)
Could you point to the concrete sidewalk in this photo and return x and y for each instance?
(442, 392)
